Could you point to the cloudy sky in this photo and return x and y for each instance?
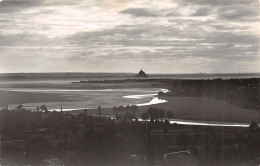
(161, 36)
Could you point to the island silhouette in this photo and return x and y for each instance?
(141, 74)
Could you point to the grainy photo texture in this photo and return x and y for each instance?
(129, 83)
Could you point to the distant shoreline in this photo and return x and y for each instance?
(109, 76)
(197, 73)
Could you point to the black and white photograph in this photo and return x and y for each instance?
(129, 82)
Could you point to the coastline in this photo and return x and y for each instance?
(77, 97)
(93, 112)
(194, 112)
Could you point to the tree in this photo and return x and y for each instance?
(160, 93)
(156, 113)
(131, 109)
(116, 110)
(166, 125)
(129, 116)
(253, 138)
(99, 109)
(134, 109)
(19, 107)
(253, 127)
(128, 108)
(145, 116)
(121, 109)
(161, 114)
(169, 115)
(118, 117)
(85, 112)
(43, 108)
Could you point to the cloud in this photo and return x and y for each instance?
(203, 11)
(202, 34)
(217, 3)
(140, 12)
(237, 13)
(14, 6)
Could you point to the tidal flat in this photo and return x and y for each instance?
(74, 94)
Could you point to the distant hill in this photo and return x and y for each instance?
(141, 74)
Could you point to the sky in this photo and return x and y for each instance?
(160, 36)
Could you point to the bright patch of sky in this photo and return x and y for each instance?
(166, 36)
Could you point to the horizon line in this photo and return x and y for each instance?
(127, 73)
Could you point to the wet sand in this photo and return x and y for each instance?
(197, 109)
(54, 93)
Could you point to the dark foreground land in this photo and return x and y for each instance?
(78, 138)
(58, 138)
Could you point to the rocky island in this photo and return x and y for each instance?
(141, 74)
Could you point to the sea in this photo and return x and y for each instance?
(55, 89)
(59, 90)
(111, 76)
